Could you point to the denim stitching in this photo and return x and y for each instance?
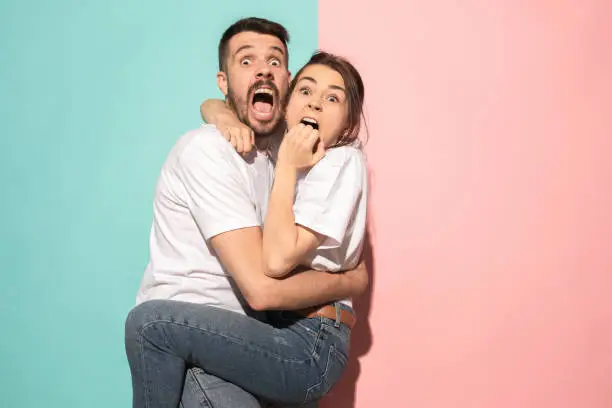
(205, 399)
(139, 338)
(332, 349)
(236, 340)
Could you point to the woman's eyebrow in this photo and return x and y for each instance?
(311, 79)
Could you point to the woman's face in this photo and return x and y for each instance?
(319, 99)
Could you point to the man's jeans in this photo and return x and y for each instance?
(289, 359)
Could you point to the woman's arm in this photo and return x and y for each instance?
(216, 112)
(284, 242)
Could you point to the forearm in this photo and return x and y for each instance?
(306, 289)
(215, 111)
(280, 232)
(240, 253)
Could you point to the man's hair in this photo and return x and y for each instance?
(254, 24)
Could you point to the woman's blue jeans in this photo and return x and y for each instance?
(289, 359)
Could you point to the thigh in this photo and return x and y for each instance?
(203, 390)
(277, 363)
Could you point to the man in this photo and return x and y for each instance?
(210, 203)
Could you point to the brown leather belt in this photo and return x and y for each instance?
(329, 311)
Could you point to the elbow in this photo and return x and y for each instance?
(276, 269)
(203, 111)
(276, 266)
(262, 298)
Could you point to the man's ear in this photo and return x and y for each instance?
(222, 82)
(290, 77)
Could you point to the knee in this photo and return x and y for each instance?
(139, 317)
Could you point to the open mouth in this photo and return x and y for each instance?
(310, 122)
(263, 102)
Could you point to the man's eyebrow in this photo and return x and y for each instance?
(279, 49)
(244, 47)
(247, 46)
(311, 79)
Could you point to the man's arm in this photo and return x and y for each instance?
(240, 252)
(225, 214)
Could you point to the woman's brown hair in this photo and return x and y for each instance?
(354, 91)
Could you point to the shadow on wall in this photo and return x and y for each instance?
(343, 393)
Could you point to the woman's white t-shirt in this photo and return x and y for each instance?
(331, 199)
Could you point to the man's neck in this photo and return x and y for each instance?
(264, 143)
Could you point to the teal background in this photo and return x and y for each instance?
(92, 97)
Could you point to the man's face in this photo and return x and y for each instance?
(256, 80)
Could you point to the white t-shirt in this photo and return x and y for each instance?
(205, 188)
(331, 199)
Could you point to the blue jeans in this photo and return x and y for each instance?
(203, 390)
(289, 359)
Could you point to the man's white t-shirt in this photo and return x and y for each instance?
(205, 188)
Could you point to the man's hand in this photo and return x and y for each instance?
(358, 279)
(240, 253)
(299, 149)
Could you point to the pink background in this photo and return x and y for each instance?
(491, 209)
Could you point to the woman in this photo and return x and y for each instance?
(295, 357)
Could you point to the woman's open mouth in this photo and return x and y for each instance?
(310, 122)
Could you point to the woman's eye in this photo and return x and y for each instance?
(332, 98)
(305, 91)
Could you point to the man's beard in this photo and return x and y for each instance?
(241, 107)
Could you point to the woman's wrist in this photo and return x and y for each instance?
(286, 169)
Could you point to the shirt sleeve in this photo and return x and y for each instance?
(218, 194)
(327, 197)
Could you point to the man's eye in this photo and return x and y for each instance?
(275, 63)
(245, 62)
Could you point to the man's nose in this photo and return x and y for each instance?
(264, 72)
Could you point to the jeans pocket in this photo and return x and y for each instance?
(334, 367)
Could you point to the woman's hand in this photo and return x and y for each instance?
(216, 112)
(238, 134)
(301, 148)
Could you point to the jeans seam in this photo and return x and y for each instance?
(236, 340)
(330, 353)
(205, 399)
(140, 337)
